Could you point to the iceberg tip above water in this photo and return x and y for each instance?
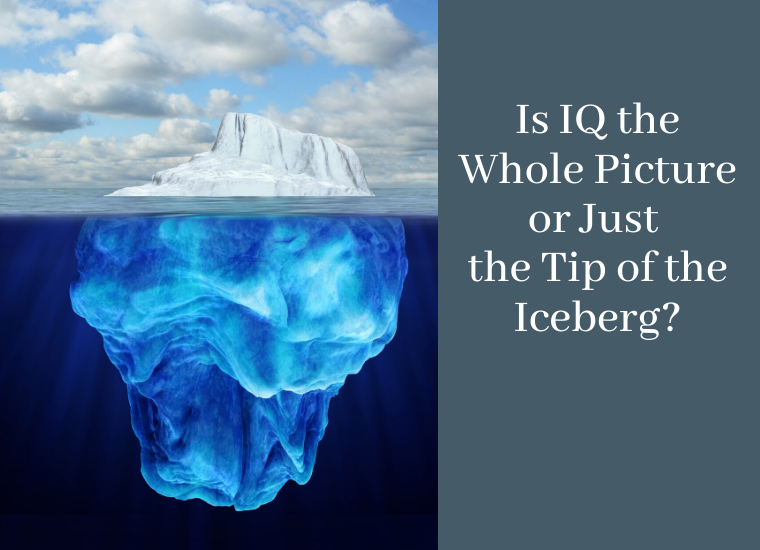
(253, 156)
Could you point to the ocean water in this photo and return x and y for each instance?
(71, 460)
(90, 201)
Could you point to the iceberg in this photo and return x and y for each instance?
(232, 336)
(252, 156)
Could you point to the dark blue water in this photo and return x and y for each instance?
(71, 462)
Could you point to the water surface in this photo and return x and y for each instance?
(88, 201)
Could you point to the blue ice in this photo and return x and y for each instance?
(232, 336)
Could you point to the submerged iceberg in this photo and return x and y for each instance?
(232, 336)
(252, 156)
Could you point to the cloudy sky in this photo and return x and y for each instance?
(108, 92)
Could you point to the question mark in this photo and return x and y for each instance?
(676, 309)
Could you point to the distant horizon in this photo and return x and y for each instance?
(93, 201)
(96, 186)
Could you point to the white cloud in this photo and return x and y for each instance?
(124, 56)
(68, 95)
(74, 92)
(172, 40)
(220, 102)
(201, 37)
(20, 114)
(391, 120)
(254, 78)
(295, 9)
(109, 162)
(185, 131)
(359, 33)
(316, 6)
(22, 23)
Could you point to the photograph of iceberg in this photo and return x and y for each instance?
(219, 274)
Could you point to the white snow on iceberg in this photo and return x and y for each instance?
(252, 156)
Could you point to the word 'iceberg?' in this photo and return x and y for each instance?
(252, 156)
(232, 336)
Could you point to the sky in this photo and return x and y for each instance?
(108, 92)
